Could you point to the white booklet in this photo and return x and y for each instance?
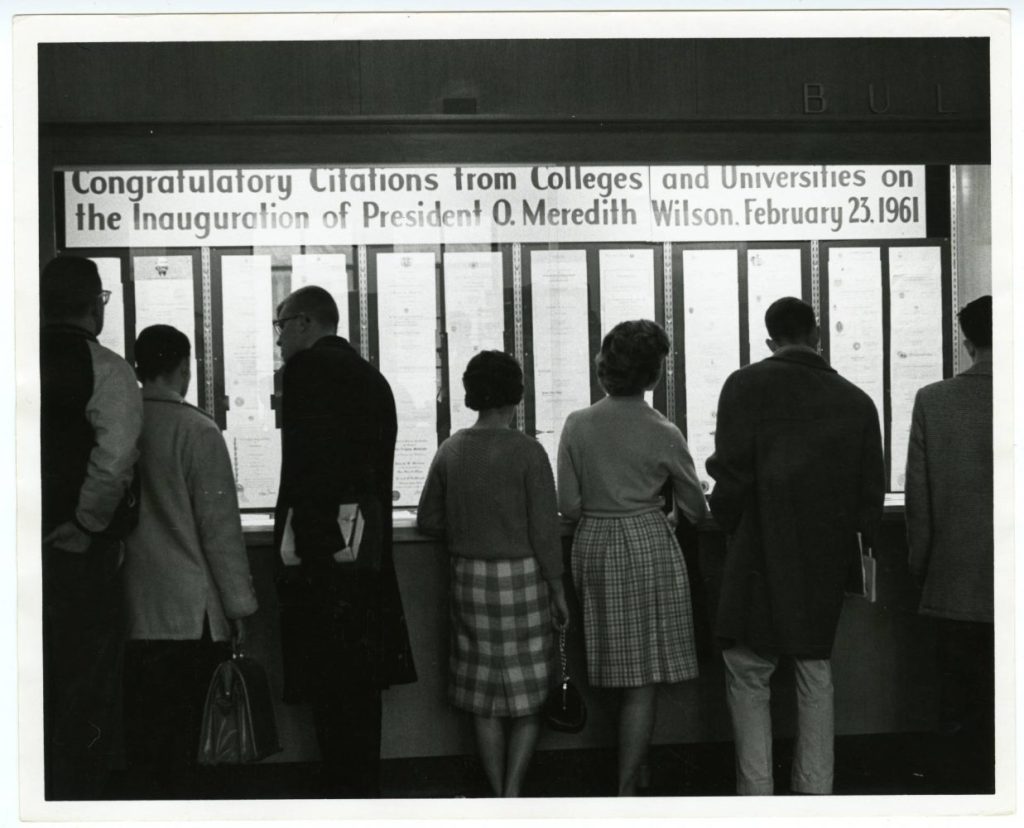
(350, 522)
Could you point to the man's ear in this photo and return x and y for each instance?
(815, 337)
(773, 346)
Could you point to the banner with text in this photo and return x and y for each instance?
(216, 207)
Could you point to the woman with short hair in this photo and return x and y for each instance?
(614, 460)
(490, 494)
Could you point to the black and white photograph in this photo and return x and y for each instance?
(514, 413)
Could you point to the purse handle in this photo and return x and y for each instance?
(563, 656)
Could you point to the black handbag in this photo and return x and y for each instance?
(565, 709)
(238, 719)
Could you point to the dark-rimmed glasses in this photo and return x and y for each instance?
(279, 323)
(104, 296)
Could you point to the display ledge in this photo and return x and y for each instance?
(258, 527)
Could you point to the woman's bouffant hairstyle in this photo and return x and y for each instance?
(492, 379)
(631, 357)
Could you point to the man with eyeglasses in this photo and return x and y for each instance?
(90, 421)
(342, 631)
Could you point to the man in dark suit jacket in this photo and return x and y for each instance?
(949, 530)
(799, 472)
(338, 430)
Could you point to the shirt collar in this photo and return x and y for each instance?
(786, 350)
(162, 394)
(983, 366)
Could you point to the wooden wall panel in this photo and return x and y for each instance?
(734, 80)
(767, 78)
(197, 82)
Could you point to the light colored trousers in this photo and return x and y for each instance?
(748, 693)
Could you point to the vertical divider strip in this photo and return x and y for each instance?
(816, 280)
(670, 371)
(517, 322)
(364, 304)
(209, 367)
(954, 235)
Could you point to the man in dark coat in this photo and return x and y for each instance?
(799, 473)
(950, 535)
(343, 635)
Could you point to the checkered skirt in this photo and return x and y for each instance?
(632, 583)
(501, 640)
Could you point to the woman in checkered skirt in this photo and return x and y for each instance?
(490, 494)
(614, 460)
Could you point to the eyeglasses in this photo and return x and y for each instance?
(104, 296)
(279, 323)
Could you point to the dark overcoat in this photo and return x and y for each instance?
(338, 432)
(799, 471)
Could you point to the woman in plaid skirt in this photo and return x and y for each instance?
(614, 460)
(490, 494)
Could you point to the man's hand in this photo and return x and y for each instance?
(68, 538)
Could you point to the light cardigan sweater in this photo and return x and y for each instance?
(490, 494)
(615, 457)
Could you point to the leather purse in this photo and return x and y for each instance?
(238, 719)
(565, 709)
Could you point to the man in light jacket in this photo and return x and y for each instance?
(89, 421)
(188, 588)
(949, 530)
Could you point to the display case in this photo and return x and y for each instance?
(430, 265)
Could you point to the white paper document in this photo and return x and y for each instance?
(326, 270)
(407, 325)
(112, 335)
(772, 273)
(915, 340)
(627, 288)
(856, 347)
(561, 347)
(256, 461)
(164, 295)
(248, 338)
(474, 310)
(712, 344)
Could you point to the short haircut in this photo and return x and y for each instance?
(789, 319)
(316, 303)
(159, 350)
(492, 379)
(631, 356)
(68, 287)
(976, 321)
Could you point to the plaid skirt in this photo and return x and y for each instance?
(501, 639)
(637, 621)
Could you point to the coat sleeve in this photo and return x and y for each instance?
(542, 515)
(872, 494)
(686, 488)
(431, 513)
(917, 495)
(321, 454)
(214, 498)
(114, 411)
(732, 464)
(570, 500)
